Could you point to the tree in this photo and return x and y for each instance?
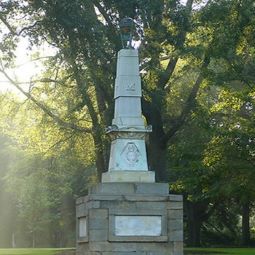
(187, 50)
(85, 35)
(43, 170)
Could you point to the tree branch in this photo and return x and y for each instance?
(109, 22)
(189, 105)
(64, 139)
(173, 61)
(45, 109)
(8, 25)
(12, 30)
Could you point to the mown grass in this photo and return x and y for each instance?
(219, 251)
(41, 251)
(187, 251)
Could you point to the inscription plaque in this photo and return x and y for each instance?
(82, 227)
(138, 225)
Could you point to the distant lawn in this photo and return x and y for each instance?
(219, 251)
(41, 251)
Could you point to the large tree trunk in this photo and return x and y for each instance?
(157, 149)
(157, 158)
(246, 224)
(194, 230)
(194, 212)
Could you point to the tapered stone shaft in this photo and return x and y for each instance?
(128, 159)
(128, 93)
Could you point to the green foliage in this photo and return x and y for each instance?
(197, 61)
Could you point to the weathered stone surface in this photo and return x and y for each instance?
(101, 237)
(119, 206)
(119, 248)
(98, 213)
(98, 235)
(141, 225)
(98, 223)
(146, 198)
(176, 224)
(151, 205)
(81, 210)
(128, 176)
(92, 204)
(130, 188)
(130, 198)
(175, 214)
(175, 198)
(113, 188)
(112, 247)
(81, 200)
(175, 205)
(176, 235)
(152, 188)
(178, 248)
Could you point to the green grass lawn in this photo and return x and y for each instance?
(219, 251)
(41, 251)
(188, 251)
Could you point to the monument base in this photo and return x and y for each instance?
(129, 176)
(129, 219)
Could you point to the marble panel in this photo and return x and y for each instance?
(143, 225)
(82, 224)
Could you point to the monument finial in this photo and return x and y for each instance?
(127, 27)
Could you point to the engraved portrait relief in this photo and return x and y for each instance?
(131, 153)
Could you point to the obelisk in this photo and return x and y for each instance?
(128, 158)
(128, 213)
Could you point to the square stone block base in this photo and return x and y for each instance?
(129, 176)
(129, 218)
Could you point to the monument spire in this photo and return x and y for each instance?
(128, 213)
(128, 130)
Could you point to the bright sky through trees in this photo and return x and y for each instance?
(28, 65)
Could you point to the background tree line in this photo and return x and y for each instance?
(197, 67)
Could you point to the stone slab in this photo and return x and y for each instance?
(129, 176)
(175, 197)
(132, 225)
(108, 197)
(175, 214)
(130, 247)
(82, 227)
(130, 188)
(127, 198)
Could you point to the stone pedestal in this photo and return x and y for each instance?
(130, 218)
(128, 213)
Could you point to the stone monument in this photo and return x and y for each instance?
(128, 213)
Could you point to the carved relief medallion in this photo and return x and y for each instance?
(131, 153)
